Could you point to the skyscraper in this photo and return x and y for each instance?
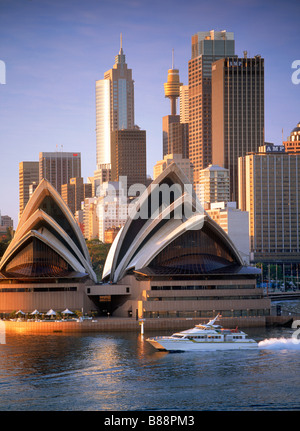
(175, 136)
(114, 106)
(237, 112)
(59, 167)
(269, 190)
(75, 192)
(207, 47)
(128, 156)
(184, 103)
(28, 174)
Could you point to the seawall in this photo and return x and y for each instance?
(113, 324)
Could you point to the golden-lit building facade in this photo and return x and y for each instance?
(269, 191)
(114, 106)
(207, 47)
(59, 167)
(128, 156)
(28, 174)
(237, 112)
(292, 144)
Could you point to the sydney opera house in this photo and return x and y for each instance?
(47, 264)
(169, 260)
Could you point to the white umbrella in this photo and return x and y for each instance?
(51, 313)
(20, 312)
(67, 311)
(35, 312)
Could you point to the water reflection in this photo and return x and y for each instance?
(123, 372)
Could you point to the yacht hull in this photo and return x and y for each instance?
(190, 345)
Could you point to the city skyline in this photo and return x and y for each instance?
(54, 54)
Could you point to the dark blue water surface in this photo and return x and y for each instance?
(121, 371)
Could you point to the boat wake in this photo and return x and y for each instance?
(280, 344)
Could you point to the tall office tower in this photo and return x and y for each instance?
(59, 167)
(175, 136)
(184, 103)
(114, 106)
(269, 190)
(237, 112)
(213, 185)
(292, 144)
(28, 174)
(207, 47)
(90, 220)
(175, 133)
(75, 192)
(128, 156)
(101, 175)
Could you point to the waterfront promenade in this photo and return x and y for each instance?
(114, 324)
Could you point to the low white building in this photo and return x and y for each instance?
(213, 186)
(112, 207)
(235, 223)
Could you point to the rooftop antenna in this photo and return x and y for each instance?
(120, 41)
(172, 58)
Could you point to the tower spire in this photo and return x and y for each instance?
(120, 58)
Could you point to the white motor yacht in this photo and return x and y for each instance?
(204, 337)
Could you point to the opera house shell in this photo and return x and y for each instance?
(177, 261)
(170, 260)
(47, 264)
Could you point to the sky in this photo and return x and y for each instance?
(53, 51)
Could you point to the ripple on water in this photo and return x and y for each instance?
(123, 372)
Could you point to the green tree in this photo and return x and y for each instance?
(3, 247)
(5, 240)
(98, 252)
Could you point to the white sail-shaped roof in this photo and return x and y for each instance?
(144, 238)
(48, 220)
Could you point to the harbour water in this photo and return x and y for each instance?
(122, 372)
